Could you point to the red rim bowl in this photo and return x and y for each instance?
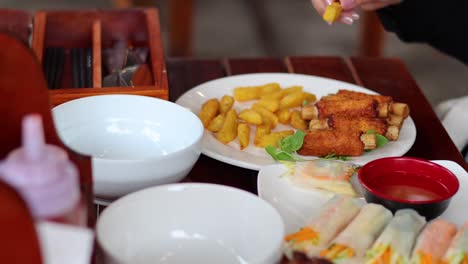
(413, 173)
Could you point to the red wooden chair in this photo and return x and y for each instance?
(23, 90)
(17, 22)
(19, 243)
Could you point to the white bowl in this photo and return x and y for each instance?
(134, 141)
(191, 223)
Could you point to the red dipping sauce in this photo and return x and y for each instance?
(409, 186)
(408, 180)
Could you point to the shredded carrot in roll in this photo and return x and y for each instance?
(384, 258)
(304, 234)
(336, 250)
(426, 258)
(465, 259)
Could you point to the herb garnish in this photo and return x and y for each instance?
(287, 147)
(333, 156)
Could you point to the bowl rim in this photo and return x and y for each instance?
(116, 205)
(411, 159)
(196, 140)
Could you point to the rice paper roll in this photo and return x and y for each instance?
(395, 243)
(352, 243)
(433, 242)
(323, 174)
(457, 252)
(333, 217)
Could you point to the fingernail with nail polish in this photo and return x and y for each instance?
(355, 16)
(347, 20)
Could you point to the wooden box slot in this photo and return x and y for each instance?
(101, 30)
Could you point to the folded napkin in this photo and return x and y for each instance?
(453, 114)
(65, 243)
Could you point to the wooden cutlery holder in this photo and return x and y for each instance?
(96, 33)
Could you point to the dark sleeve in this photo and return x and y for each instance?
(442, 24)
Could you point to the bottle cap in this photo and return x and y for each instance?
(42, 173)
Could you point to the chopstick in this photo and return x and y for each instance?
(52, 65)
(89, 67)
(82, 67)
(75, 68)
(59, 68)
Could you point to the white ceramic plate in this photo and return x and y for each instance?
(254, 158)
(296, 205)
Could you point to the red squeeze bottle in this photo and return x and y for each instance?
(45, 177)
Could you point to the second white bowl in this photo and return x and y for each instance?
(191, 223)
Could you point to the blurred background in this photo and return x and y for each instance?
(276, 28)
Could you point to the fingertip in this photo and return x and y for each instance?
(348, 4)
(347, 20)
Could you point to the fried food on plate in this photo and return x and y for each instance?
(296, 120)
(350, 108)
(243, 133)
(284, 115)
(268, 117)
(229, 130)
(260, 132)
(216, 123)
(209, 110)
(358, 95)
(226, 103)
(339, 142)
(250, 116)
(362, 124)
(248, 93)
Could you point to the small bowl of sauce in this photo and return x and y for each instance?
(403, 182)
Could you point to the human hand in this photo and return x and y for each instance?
(349, 15)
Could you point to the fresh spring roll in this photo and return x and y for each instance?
(457, 252)
(353, 242)
(433, 242)
(333, 217)
(394, 245)
(324, 174)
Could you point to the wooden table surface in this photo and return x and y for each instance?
(385, 76)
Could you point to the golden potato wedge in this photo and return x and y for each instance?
(209, 110)
(243, 134)
(309, 97)
(248, 93)
(296, 121)
(260, 132)
(273, 96)
(216, 123)
(250, 116)
(269, 139)
(225, 104)
(270, 104)
(228, 132)
(283, 116)
(268, 88)
(284, 133)
(268, 117)
(292, 89)
(292, 100)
